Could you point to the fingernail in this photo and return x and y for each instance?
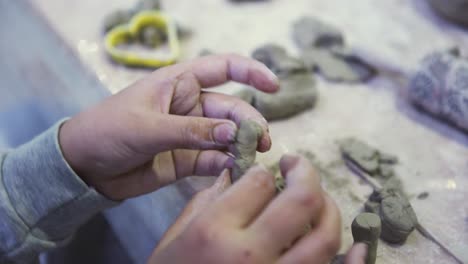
(224, 133)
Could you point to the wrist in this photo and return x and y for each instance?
(72, 147)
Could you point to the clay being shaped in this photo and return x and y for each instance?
(277, 59)
(245, 147)
(396, 213)
(309, 32)
(366, 228)
(440, 87)
(453, 10)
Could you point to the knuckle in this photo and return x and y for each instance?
(305, 198)
(263, 180)
(204, 235)
(193, 134)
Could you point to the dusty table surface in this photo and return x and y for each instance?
(393, 33)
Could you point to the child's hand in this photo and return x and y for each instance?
(164, 127)
(249, 223)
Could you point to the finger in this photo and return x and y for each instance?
(299, 205)
(322, 243)
(241, 203)
(186, 132)
(216, 105)
(198, 204)
(215, 70)
(357, 254)
(212, 162)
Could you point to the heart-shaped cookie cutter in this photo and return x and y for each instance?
(124, 33)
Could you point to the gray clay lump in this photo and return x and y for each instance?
(245, 147)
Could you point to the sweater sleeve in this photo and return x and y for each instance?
(42, 201)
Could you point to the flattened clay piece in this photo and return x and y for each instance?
(440, 87)
(366, 228)
(297, 94)
(277, 59)
(117, 18)
(364, 70)
(309, 32)
(337, 68)
(396, 213)
(361, 154)
(453, 10)
(245, 147)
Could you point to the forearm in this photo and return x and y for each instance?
(42, 201)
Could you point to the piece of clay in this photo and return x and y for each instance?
(277, 59)
(364, 156)
(309, 32)
(245, 147)
(297, 94)
(360, 67)
(372, 161)
(117, 18)
(423, 195)
(385, 158)
(336, 68)
(396, 213)
(366, 228)
(440, 87)
(453, 10)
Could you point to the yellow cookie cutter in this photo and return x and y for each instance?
(122, 34)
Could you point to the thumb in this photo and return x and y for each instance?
(190, 132)
(199, 203)
(357, 254)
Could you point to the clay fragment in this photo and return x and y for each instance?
(337, 67)
(277, 59)
(366, 228)
(245, 147)
(396, 213)
(364, 156)
(309, 32)
(423, 195)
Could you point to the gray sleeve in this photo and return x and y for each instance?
(42, 201)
